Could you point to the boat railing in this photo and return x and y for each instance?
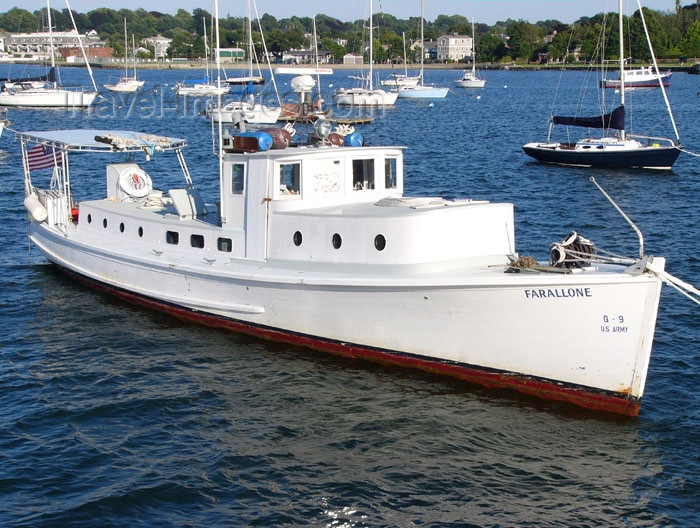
(652, 139)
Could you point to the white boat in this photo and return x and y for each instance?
(49, 93)
(244, 107)
(316, 245)
(202, 87)
(366, 94)
(469, 79)
(395, 80)
(244, 110)
(421, 90)
(644, 77)
(615, 147)
(128, 83)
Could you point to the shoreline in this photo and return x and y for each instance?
(200, 65)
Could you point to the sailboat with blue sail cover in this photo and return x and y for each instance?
(615, 147)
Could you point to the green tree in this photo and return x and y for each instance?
(691, 43)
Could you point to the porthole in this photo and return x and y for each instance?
(298, 238)
(140, 231)
(380, 242)
(337, 241)
(121, 227)
(89, 219)
(104, 223)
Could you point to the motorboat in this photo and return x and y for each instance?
(315, 244)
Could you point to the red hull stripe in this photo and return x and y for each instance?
(586, 397)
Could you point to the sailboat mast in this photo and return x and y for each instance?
(422, 43)
(133, 50)
(250, 41)
(473, 50)
(126, 53)
(206, 47)
(48, 15)
(371, 43)
(622, 63)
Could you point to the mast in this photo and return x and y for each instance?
(371, 43)
(206, 47)
(405, 64)
(473, 50)
(422, 43)
(48, 14)
(133, 50)
(126, 53)
(250, 41)
(622, 64)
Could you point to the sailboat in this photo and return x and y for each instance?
(47, 92)
(612, 149)
(469, 79)
(402, 79)
(245, 108)
(127, 83)
(420, 90)
(202, 86)
(366, 94)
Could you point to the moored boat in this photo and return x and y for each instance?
(644, 77)
(615, 147)
(316, 244)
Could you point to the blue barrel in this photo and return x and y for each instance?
(263, 138)
(354, 140)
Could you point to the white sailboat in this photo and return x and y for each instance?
(366, 94)
(615, 147)
(396, 80)
(470, 79)
(421, 90)
(202, 87)
(128, 83)
(50, 93)
(245, 107)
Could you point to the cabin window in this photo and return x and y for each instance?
(290, 178)
(104, 223)
(337, 241)
(121, 227)
(237, 178)
(197, 241)
(224, 244)
(390, 173)
(362, 174)
(172, 237)
(140, 231)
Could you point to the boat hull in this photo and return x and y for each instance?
(646, 157)
(258, 114)
(470, 83)
(422, 92)
(497, 333)
(48, 98)
(642, 78)
(361, 97)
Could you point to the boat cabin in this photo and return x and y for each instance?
(306, 206)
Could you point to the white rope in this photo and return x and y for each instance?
(689, 152)
(686, 289)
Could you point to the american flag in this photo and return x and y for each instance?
(43, 157)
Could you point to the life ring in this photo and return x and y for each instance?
(135, 182)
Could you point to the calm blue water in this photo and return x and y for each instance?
(111, 415)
